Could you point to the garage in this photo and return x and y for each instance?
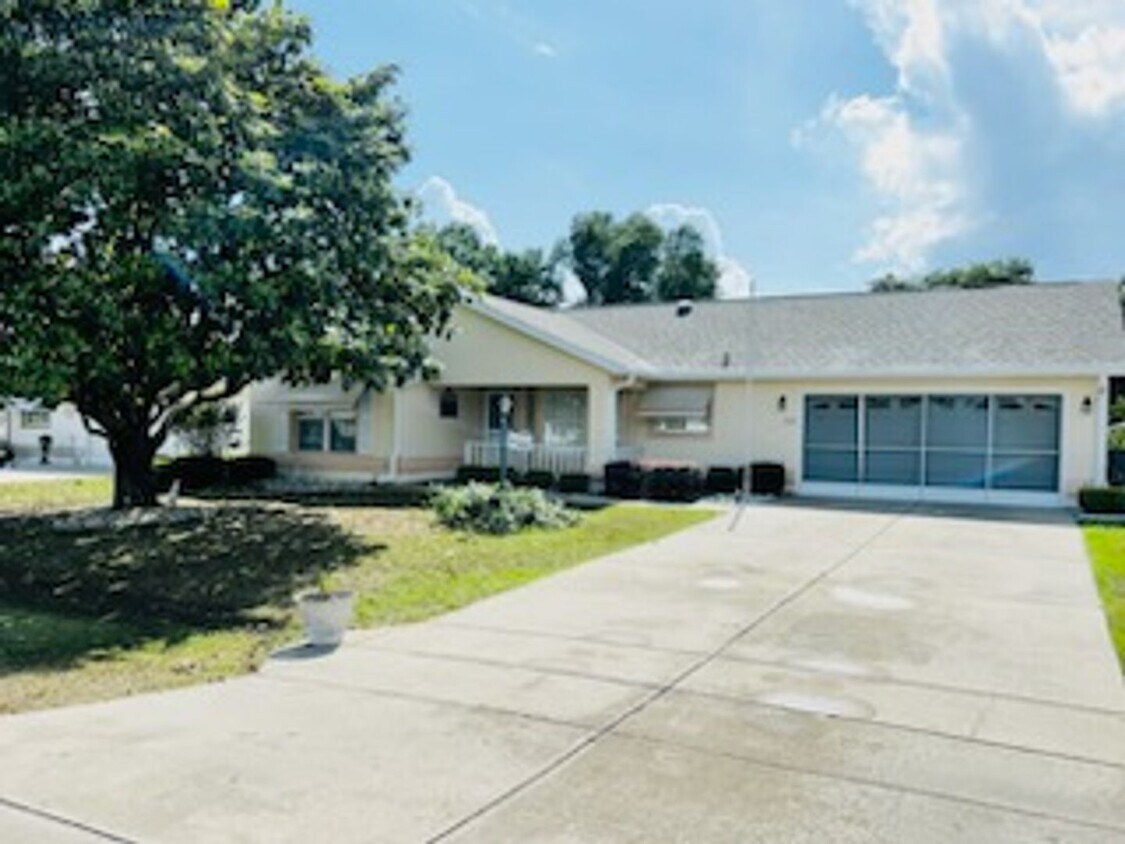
(914, 443)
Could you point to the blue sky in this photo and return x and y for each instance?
(818, 143)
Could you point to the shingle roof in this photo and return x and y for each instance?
(1046, 327)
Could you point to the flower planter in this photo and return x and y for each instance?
(326, 616)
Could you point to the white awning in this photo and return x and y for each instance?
(679, 402)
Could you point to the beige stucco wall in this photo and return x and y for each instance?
(777, 435)
(726, 444)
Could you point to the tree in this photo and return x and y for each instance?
(685, 270)
(191, 204)
(524, 276)
(208, 429)
(970, 277)
(634, 261)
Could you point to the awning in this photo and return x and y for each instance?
(679, 402)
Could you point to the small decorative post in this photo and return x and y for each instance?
(505, 414)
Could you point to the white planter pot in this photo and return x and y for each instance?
(326, 616)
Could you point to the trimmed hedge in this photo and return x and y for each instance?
(199, 473)
(480, 475)
(723, 480)
(623, 479)
(538, 479)
(574, 482)
(1102, 499)
(673, 484)
(767, 479)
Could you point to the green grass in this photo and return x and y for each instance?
(32, 496)
(1106, 545)
(100, 614)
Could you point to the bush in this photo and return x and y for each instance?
(623, 479)
(1102, 499)
(574, 482)
(193, 473)
(247, 470)
(478, 474)
(723, 480)
(485, 508)
(673, 484)
(537, 478)
(767, 478)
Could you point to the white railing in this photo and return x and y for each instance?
(522, 457)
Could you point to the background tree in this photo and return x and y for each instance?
(685, 270)
(635, 261)
(522, 276)
(207, 429)
(971, 276)
(191, 204)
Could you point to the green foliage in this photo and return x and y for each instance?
(1108, 499)
(190, 204)
(483, 508)
(208, 429)
(969, 277)
(635, 261)
(521, 276)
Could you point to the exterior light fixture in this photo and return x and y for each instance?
(782, 403)
(1087, 404)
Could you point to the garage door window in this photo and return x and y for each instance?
(970, 441)
(831, 438)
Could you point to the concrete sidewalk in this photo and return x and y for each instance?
(785, 673)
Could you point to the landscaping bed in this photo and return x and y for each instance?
(89, 614)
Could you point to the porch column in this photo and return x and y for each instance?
(601, 429)
(1101, 432)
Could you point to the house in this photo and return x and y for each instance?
(993, 395)
(23, 422)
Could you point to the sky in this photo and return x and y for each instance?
(817, 144)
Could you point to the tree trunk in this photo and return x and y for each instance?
(134, 481)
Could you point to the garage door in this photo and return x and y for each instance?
(957, 441)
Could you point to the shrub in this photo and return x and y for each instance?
(767, 478)
(246, 470)
(478, 474)
(193, 473)
(1102, 499)
(485, 508)
(538, 478)
(574, 482)
(623, 479)
(673, 484)
(723, 480)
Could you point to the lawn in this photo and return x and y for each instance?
(1106, 545)
(93, 614)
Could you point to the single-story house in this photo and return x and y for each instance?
(995, 395)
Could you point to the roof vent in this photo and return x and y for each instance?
(684, 307)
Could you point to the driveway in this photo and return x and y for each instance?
(783, 673)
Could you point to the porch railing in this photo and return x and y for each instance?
(559, 459)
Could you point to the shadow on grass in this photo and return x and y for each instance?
(345, 495)
(231, 566)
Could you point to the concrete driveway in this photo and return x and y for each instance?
(786, 673)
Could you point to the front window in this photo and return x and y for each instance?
(336, 432)
(564, 418)
(680, 425)
(35, 420)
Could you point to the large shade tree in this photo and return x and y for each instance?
(634, 260)
(190, 204)
(969, 277)
(526, 276)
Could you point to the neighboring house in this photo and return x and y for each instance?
(23, 422)
(995, 395)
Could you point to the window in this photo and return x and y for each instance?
(448, 405)
(564, 417)
(335, 432)
(35, 420)
(679, 425)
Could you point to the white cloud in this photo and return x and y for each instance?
(542, 48)
(735, 281)
(911, 34)
(442, 202)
